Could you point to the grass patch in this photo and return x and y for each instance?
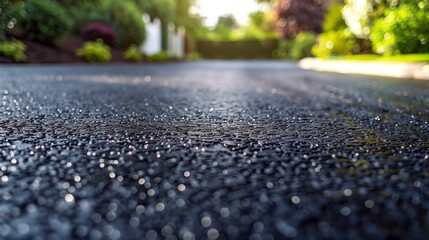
(420, 57)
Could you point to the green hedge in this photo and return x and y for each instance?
(249, 49)
(44, 21)
(404, 30)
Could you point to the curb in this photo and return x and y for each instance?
(385, 69)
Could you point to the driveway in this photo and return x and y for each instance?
(211, 150)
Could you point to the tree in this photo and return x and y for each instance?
(404, 29)
(360, 15)
(226, 22)
(295, 16)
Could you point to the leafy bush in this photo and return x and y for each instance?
(95, 52)
(44, 21)
(126, 16)
(160, 57)
(13, 49)
(297, 48)
(302, 45)
(99, 30)
(404, 30)
(333, 19)
(283, 50)
(336, 38)
(133, 54)
(361, 15)
(334, 43)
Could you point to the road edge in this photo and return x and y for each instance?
(404, 70)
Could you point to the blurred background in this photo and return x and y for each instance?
(101, 31)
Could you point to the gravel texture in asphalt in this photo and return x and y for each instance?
(211, 150)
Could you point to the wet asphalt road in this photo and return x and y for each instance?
(211, 150)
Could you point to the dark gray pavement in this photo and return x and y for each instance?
(211, 150)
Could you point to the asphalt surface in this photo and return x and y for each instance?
(211, 150)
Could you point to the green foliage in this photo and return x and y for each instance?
(226, 22)
(160, 57)
(162, 9)
(302, 45)
(253, 33)
(331, 43)
(333, 19)
(190, 21)
(44, 21)
(13, 49)
(226, 29)
(95, 52)
(124, 16)
(133, 54)
(283, 50)
(193, 56)
(9, 11)
(360, 15)
(297, 48)
(128, 19)
(336, 38)
(404, 30)
(260, 27)
(84, 12)
(416, 57)
(258, 18)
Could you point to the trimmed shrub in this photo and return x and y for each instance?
(133, 54)
(160, 57)
(13, 49)
(44, 21)
(99, 30)
(404, 30)
(95, 52)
